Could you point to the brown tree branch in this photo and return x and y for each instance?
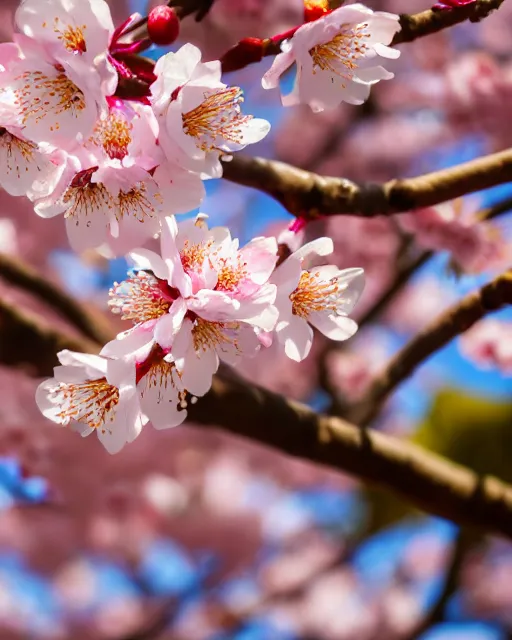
(24, 276)
(424, 479)
(310, 196)
(431, 21)
(450, 324)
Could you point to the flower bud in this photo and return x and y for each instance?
(314, 9)
(246, 52)
(163, 25)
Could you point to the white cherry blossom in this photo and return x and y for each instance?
(162, 395)
(200, 117)
(322, 296)
(337, 57)
(120, 206)
(93, 394)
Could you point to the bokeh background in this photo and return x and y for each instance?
(194, 535)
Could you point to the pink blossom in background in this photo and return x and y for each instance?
(489, 345)
(452, 226)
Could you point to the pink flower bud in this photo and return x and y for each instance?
(163, 25)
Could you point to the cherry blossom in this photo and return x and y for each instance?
(321, 296)
(61, 75)
(201, 301)
(488, 344)
(337, 57)
(453, 226)
(91, 393)
(104, 204)
(200, 117)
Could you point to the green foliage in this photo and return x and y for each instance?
(473, 431)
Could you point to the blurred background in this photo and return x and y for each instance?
(195, 535)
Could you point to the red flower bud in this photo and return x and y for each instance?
(314, 9)
(246, 52)
(163, 25)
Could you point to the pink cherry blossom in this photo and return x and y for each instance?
(488, 344)
(91, 393)
(200, 301)
(337, 57)
(110, 204)
(59, 80)
(322, 297)
(452, 226)
(200, 117)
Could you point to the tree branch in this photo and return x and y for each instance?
(24, 276)
(424, 479)
(431, 21)
(438, 334)
(310, 196)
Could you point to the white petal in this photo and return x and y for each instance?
(333, 326)
(297, 337)
(168, 326)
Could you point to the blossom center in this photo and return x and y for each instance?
(230, 275)
(84, 198)
(140, 298)
(16, 150)
(313, 295)
(210, 335)
(40, 94)
(114, 135)
(218, 117)
(339, 56)
(92, 402)
(135, 202)
(71, 37)
(193, 256)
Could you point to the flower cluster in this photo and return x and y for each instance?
(113, 167)
(336, 57)
(78, 139)
(201, 301)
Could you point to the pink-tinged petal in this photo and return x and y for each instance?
(297, 337)
(319, 247)
(121, 372)
(333, 326)
(126, 424)
(159, 393)
(135, 343)
(87, 232)
(198, 370)
(286, 277)
(350, 283)
(149, 261)
(48, 408)
(172, 71)
(214, 305)
(247, 346)
(170, 253)
(282, 62)
(92, 363)
(183, 343)
(67, 374)
(21, 164)
(182, 191)
(168, 326)
(260, 256)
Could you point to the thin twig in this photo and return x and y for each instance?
(436, 335)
